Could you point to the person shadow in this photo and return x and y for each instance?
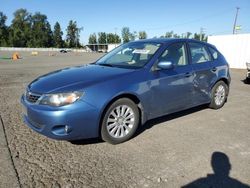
(220, 179)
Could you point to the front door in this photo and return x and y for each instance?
(172, 89)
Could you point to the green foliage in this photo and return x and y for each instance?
(3, 30)
(177, 36)
(196, 36)
(127, 35)
(27, 30)
(200, 37)
(142, 35)
(169, 34)
(113, 38)
(189, 34)
(41, 34)
(57, 36)
(102, 38)
(72, 37)
(20, 29)
(92, 39)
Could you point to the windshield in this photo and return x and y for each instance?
(131, 55)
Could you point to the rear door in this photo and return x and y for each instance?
(204, 73)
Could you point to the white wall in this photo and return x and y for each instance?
(235, 48)
(112, 46)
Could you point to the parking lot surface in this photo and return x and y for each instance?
(171, 151)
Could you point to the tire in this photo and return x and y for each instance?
(247, 80)
(120, 121)
(219, 95)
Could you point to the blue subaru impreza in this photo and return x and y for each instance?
(135, 82)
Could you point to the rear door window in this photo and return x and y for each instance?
(199, 53)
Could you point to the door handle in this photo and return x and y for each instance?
(188, 74)
(214, 69)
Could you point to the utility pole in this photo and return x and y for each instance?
(235, 20)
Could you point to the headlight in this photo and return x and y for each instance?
(60, 99)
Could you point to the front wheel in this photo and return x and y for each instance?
(120, 121)
(219, 95)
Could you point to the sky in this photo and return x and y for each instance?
(156, 17)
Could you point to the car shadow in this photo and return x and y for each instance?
(220, 179)
(149, 124)
(246, 81)
(87, 141)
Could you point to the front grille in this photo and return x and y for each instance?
(32, 97)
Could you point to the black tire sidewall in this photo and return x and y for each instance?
(213, 104)
(104, 132)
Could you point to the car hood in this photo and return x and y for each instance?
(75, 78)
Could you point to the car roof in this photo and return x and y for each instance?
(171, 40)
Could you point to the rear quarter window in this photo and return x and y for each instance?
(214, 53)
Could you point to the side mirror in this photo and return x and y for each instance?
(165, 65)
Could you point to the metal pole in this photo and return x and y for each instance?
(235, 20)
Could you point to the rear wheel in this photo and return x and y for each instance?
(219, 95)
(120, 121)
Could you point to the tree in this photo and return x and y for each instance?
(72, 37)
(169, 34)
(41, 31)
(127, 35)
(133, 36)
(113, 38)
(142, 35)
(20, 29)
(3, 30)
(102, 38)
(189, 35)
(92, 39)
(176, 36)
(57, 36)
(117, 39)
(198, 37)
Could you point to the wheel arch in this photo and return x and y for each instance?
(225, 80)
(130, 96)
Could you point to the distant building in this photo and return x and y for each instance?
(103, 48)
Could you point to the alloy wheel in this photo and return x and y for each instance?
(220, 95)
(120, 121)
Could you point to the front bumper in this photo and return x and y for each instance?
(71, 122)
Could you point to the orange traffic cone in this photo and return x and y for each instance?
(15, 56)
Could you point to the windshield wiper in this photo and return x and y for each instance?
(105, 64)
